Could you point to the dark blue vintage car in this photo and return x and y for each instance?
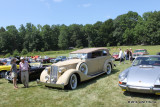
(59, 58)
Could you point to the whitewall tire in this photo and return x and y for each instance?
(73, 81)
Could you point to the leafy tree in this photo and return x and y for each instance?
(63, 40)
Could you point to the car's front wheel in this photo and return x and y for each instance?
(73, 81)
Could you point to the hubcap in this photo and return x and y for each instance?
(73, 81)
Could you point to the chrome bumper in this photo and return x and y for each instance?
(140, 89)
(50, 84)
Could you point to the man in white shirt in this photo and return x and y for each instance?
(24, 67)
(120, 55)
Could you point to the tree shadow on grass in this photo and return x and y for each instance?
(142, 95)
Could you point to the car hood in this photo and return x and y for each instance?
(141, 53)
(5, 67)
(138, 76)
(68, 62)
(115, 55)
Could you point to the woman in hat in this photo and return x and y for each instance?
(14, 72)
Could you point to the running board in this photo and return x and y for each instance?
(97, 74)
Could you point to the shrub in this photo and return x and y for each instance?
(42, 50)
(108, 44)
(15, 53)
(34, 50)
(24, 52)
(118, 44)
(7, 55)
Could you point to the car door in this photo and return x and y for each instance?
(93, 63)
(102, 59)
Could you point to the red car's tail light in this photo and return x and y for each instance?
(120, 82)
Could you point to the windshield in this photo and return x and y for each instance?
(36, 64)
(8, 63)
(143, 51)
(154, 61)
(115, 53)
(59, 57)
(78, 55)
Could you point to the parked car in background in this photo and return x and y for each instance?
(59, 58)
(139, 52)
(158, 53)
(46, 59)
(34, 72)
(143, 76)
(84, 64)
(115, 55)
(6, 67)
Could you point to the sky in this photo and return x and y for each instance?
(53, 12)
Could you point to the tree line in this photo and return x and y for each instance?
(125, 29)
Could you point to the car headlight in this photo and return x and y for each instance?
(62, 69)
(123, 75)
(46, 78)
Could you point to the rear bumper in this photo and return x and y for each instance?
(50, 84)
(140, 89)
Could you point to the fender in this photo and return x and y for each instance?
(64, 78)
(106, 62)
(44, 73)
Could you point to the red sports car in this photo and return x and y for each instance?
(140, 52)
(116, 55)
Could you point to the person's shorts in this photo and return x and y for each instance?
(14, 74)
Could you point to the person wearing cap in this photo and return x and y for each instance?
(24, 67)
(14, 72)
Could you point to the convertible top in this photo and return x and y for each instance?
(89, 50)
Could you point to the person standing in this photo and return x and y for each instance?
(120, 55)
(130, 55)
(14, 72)
(125, 55)
(24, 67)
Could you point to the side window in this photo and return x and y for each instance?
(96, 54)
(104, 52)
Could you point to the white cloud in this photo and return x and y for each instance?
(108, 16)
(47, 5)
(57, 0)
(86, 5)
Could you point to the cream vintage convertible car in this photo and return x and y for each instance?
(83, 65)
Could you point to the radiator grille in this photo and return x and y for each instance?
(53, 74)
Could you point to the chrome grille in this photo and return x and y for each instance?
(53, 74)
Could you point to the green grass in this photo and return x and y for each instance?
(151, 49)
(102, 91)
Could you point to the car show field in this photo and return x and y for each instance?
(100, 91)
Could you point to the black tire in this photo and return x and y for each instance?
(73, 82)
